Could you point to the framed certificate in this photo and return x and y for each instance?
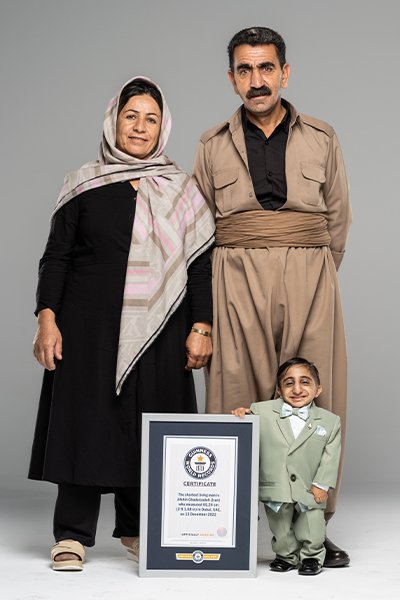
(199, 496)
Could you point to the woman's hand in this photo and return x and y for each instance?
(47, 344)
(319, 495)
(198, 347)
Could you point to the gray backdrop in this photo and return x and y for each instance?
(60, 64)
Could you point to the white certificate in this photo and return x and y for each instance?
(199, 491)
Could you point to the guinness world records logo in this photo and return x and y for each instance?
(200, 462)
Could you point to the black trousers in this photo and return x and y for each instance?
(77, 511)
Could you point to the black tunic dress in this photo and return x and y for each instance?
(86, 434)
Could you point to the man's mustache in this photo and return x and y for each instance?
(262, 91)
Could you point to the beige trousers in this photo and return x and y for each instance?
(272, 304)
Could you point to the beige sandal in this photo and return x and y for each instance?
(70, 547)
(133, 550)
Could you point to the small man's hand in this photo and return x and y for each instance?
(241, 412)
(319, 495)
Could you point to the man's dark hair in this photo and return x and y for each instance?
(255, 36)
(297, 360)
(139, 87)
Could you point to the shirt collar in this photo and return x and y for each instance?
(309, 406)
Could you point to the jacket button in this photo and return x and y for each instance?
(293, 477)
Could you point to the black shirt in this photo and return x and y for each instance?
(266, 158)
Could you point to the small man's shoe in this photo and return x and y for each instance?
(310, 566)
(281, 566)
(335, 556)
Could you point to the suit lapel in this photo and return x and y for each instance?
(283, 424)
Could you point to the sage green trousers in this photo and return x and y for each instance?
(297, 536)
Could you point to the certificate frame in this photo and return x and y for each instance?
(230, 447)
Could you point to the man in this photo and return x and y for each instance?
(276, 183)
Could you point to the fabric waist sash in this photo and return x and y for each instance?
(266, 228)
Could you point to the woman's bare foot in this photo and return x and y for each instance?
(66, 556)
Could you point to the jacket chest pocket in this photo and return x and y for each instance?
(224, 188)
(316, 444)
(312, 180)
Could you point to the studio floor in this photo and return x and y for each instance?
(367, 525)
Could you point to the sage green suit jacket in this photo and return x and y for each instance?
(289, 466)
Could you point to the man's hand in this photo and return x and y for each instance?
(319, 495)
(241, 412)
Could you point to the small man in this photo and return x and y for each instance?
(299, 461)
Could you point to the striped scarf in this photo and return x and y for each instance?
(172, 226)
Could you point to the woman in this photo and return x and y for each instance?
(124, 314)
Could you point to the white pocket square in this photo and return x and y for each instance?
(320, 431)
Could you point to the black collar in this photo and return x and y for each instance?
(284, 124)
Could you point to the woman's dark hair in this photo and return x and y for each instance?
(255, 36)
(297, 360)
(139, 87)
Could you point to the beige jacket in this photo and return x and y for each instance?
(315, 173)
